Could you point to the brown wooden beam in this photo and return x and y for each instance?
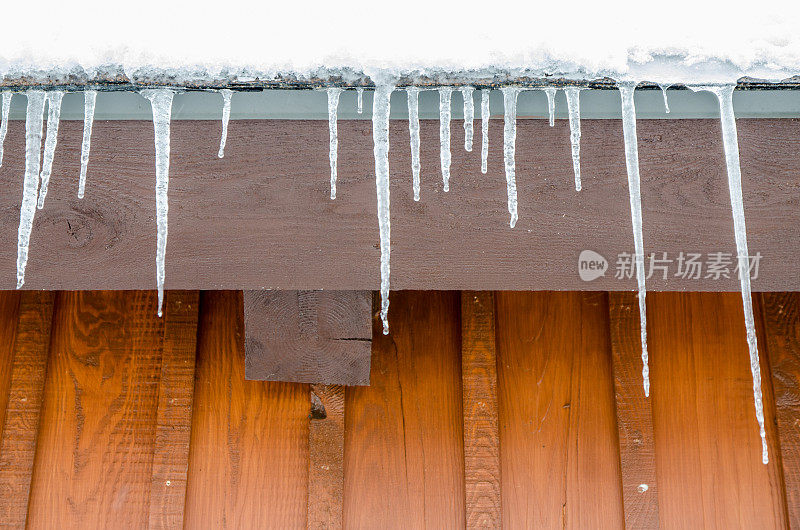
(326, 457)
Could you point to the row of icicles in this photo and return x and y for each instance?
(37, 178)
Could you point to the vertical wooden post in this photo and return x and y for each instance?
(326, 457)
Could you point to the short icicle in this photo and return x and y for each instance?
(34, 120)
(360, 92)
(551, 104)
(632, 163)
(54, 100)
(730, 142)
(445, 95)
(227, 95)
(413, 130)
(574, 109)
(509, 148)
(666, 99)
(469, 116)
(161, 103)
(4, 122)
(380, 137)
(89, 100)
(484, 130)
(333, 151)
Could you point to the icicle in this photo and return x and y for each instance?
(89, 98)
(574, 110)
(413, 129)
(664, 93)
(34, 120)
(226, 116)
(551, 103)
(469, 115)
(632, 162)
(333, 107)
(445, 95)
(4, 123)
(53, 116)
(509, 141)
(484, 130)
(161, 103)
(380, 137)
(360, 91)
(730, 142)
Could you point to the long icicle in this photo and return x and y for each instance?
(54, 100)
(632, 163)
(730, 142)
(413, 130)
(360, 92)
(469, 115)
(89, 100)
(333, 150)
(574, 109)
(227, 95)
(551, 104)
(161, 103)
(445, 95)
(4, 123)
(34, 120)
(509, 148)
(666, 99)
(484, 130)
(380, 138)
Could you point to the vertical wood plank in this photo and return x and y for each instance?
(326, 457)
(248, 458)
(634, 416)
(781, 312)
(404, 456)
(94, 454)
(9, 316)
(481, 434)
(558, 438)
(708, 450)
(174, 415)
(30, 347)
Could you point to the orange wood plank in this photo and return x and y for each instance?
(708, 450)
(248, 459)
(326, 457)
(481, 434)
(94, 454)
(558, 437)
(404, 457)
(9, 315)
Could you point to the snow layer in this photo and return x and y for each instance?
(183, 42)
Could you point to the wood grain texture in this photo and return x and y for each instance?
(481, 434)
(781, 312)
(174, 415)
(326, 457)
(404, 457)
(30, 347)
(9, 316)
(707, 446)
(248, 462)
(308, 336)
(261, 216)
(94, 454)
(634, 415)
(558, 439)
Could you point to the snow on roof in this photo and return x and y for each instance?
(183, 42)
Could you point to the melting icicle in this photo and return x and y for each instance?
(574, 110)
(413, 129)
(484, 130)
(34, 119)
(380, 137)
(226, 116)
(89, 99)
(730, 142)
(632, 162)
(509, 143)
(4, 123)
(445, 95)
(161, 103)
(551, 103)
(360, 92)
(54, 100)
(469, 115)
(333, 107)
(666, 99)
